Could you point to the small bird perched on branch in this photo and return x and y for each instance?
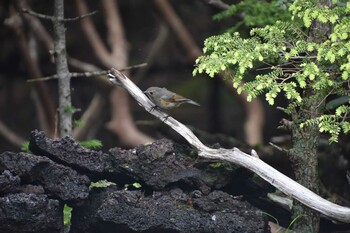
(165, 99)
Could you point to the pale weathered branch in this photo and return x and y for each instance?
(253, 163)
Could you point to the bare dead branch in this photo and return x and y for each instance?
(86, 74)
(253, 163)
(285, 202)
(80, 17)
(278, 147)
(53, 18)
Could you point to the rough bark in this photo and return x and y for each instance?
(304, 161)
(303, 154)
(64, 92)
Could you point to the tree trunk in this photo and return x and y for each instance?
(65, 104)
(304, 160)
(305, 141)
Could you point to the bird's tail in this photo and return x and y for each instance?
(192, 102)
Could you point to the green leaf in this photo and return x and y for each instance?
(25, 147)
(101, 184)
(79, 123)
(322, 18)
(92, 144)
(67, 215)
(69, 109)
(333, 19)
(136, 185)
(249, 98)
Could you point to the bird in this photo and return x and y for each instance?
(165, 99)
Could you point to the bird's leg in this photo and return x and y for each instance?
(166, 118)
(154, 107)
(159, 109)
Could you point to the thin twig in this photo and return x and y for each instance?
(86, 74)
(278, 147)
(52, 18)
(280, 108)
(319, 104)
(218, 4)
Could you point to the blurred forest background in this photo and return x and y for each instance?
(150, 37)
(168, 36)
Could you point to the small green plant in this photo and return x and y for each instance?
(91, 144)
(216, 165)
(294, 221)
(25, 147)
(67, 215)
(134, 185)
(70, 109)
(101, 184)
(79, 123)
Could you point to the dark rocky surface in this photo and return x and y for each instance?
(9, 182)
(110, 210)
(60, 181)
(66, 151)
(165, 163)
(157, 165)
(27, 213)
(176, 193)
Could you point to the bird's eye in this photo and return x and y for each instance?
(151, 92)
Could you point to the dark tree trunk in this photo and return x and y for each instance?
(303, 154)
(304, 160)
